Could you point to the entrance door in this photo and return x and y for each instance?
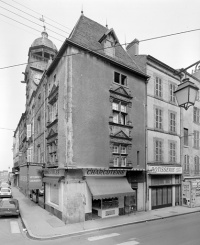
(161, 197)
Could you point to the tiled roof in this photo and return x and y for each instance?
(88, 33)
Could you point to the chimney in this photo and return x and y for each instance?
(133, 47)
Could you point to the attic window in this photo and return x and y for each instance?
(120, 79)
(109, 47)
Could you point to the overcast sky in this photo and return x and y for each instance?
(141, 19)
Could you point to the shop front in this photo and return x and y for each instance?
(53, 188)
(164, 186)
(111, 194)
(191, 193)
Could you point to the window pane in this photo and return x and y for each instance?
(115, 117)
(115, 106)
(123, 108)
(117, 77)
(123, 80)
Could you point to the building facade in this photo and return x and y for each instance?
(163, 131)
(190, 138)
(95, 127)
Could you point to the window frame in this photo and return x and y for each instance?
(158, 118)
(158, 87)
(123, 79)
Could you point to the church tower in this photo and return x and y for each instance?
(40, 54)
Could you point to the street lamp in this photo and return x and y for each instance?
(186, 93)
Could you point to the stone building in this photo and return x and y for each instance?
(163, 131)
(95, 127)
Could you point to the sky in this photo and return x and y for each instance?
(130, 19)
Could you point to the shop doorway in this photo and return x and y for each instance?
(161, 197)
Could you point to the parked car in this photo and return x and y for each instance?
(4, 184)
(9, 207)
(5, 192)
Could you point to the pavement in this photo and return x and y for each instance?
(42, 225)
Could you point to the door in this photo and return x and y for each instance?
(161, 197)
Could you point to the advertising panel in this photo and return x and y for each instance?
(35, 178)
(30, 177)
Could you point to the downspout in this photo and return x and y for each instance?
(146, 148)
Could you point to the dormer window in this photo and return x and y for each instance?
(109, 47)
(109, 40)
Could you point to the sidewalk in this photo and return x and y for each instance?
(41, 224)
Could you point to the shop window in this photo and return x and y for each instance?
(54, 194)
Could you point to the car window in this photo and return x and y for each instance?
(7, 204)
(5, 190)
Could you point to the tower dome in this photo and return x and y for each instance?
(44, 41)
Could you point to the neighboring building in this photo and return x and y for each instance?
(31, 137)
(163, 131)
(95, 127)
(190, 139)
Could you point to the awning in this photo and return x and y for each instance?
(109, 187)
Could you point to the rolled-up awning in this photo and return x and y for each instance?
(109, 187)
(52, 180)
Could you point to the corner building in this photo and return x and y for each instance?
(95, 127)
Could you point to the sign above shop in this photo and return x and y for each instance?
(164, 170)
(104, 172)
(54, 172)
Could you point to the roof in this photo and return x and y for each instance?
(88, 33)
(44, 41)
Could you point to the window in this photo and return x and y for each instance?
(196, 165)
(54, 194)
(120, 79)
(196, 139)
(119, 155)
(196, 115)
(138, 158)
(172, 122)
(158, 87)
(158, 150)
(172, 152)
(119, 112)
(53, 111)
(38, 125)
(172, 88)
(186, 164)
(38, 154)
(185, 136)
(158, 119)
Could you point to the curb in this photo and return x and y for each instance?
(33, 237)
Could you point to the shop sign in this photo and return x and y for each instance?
(23, 180)
(54, 172)
(164, 170)
(105, 172)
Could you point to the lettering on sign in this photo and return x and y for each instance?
(97, 172)
(165, 170)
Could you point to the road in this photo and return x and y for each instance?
(183, 230)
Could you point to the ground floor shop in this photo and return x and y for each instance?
(79, 195)
(191, 192)
(164, 185)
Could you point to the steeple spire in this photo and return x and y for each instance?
(44, 33)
